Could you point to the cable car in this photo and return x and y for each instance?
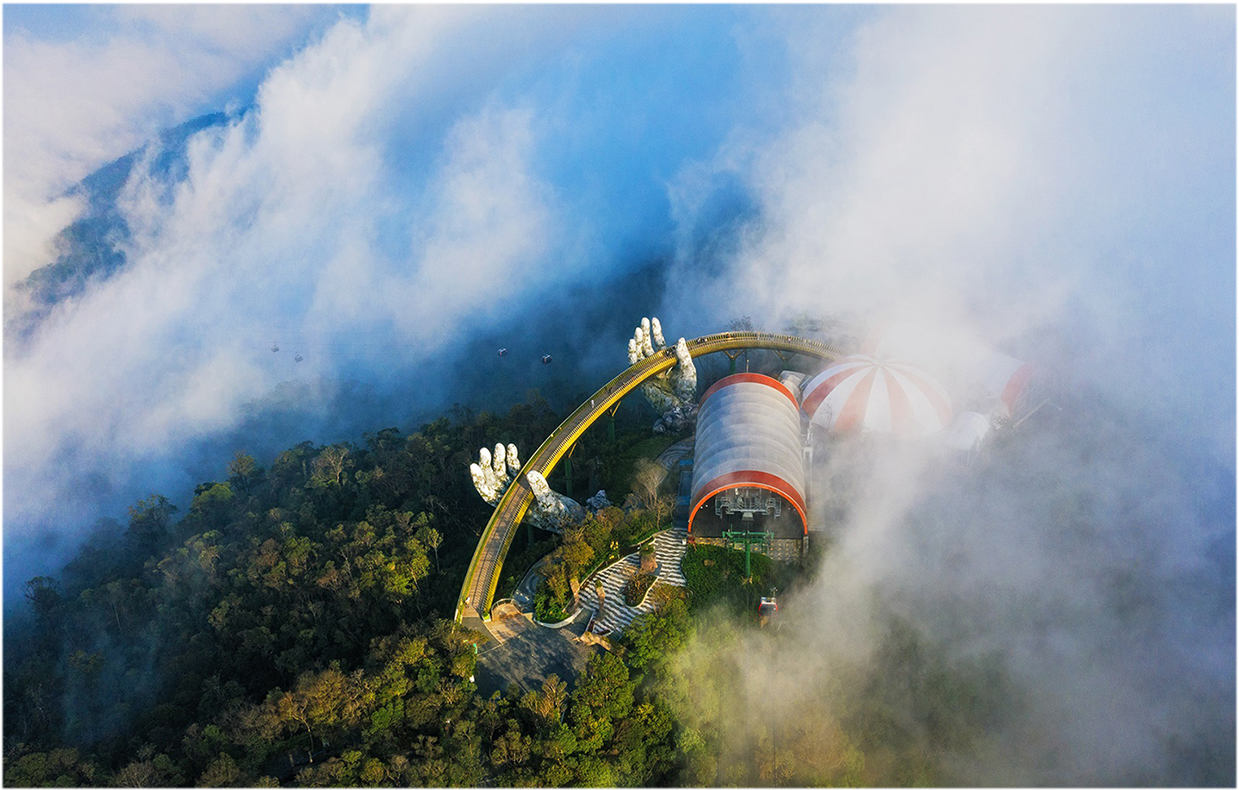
(766, 610)
(503, 351)
(275, 346)
(298, 358)
(546, 359)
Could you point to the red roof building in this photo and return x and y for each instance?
(748, 467)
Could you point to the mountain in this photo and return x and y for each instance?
(93, 246)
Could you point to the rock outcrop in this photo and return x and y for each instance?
(598, 502)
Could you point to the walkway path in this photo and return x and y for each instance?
(525, 654)
(669, 548)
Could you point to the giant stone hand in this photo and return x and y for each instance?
(673, 393)
(495, 472)
(549, 510)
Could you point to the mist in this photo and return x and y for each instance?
(394, 193)
(1045, 182)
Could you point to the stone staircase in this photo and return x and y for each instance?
(669, 548)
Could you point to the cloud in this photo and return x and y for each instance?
(1058, 183)
(1028, 168)
(72, 105)
(292, 223)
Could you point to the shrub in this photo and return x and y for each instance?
(636, 588)
(636, 528)
(548, 607)
(515, 566)
(715, 574)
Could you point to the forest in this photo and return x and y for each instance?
(294, 627)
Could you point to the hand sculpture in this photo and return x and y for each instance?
(550, 510)
(494, 473)
(673, 394)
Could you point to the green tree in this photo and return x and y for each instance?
(429, 536)
(148, 523)
(148, 770)
(243, 472)
(222, 772)
(212, 502)
(330, 465)
(61, 767)
(547, 703)
(44, 599)
(652, 636)
(603, 695)
(647, 477)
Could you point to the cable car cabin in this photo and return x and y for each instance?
(748, 466)
(767, 610)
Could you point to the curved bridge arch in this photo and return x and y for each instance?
(478, 589)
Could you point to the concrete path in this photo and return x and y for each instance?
(524, 595)
(675, 453)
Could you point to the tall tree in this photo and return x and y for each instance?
(243, 472)
(148, 523)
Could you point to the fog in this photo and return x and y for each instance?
(1046, 182)
(395, 193)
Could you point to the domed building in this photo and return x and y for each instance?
(759, 438)
(748, 466)
(865, 394)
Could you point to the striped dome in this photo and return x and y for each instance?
(866, 394)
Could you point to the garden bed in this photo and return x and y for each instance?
(547, 608)
(637, 587)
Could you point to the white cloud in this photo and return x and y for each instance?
(1029, 169)
(71, 106)
(281, 228)
(1039, 178)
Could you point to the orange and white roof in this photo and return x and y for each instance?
(1005, 378)
(863, 393)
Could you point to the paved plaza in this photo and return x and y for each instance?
(524, 654)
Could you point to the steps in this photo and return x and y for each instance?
(669, 548)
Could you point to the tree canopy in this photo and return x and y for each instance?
(292, 627)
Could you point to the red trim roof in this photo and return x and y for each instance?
(752, 378)
(867, 370)
(1015, 385)
(750, 479)
(815, 396)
